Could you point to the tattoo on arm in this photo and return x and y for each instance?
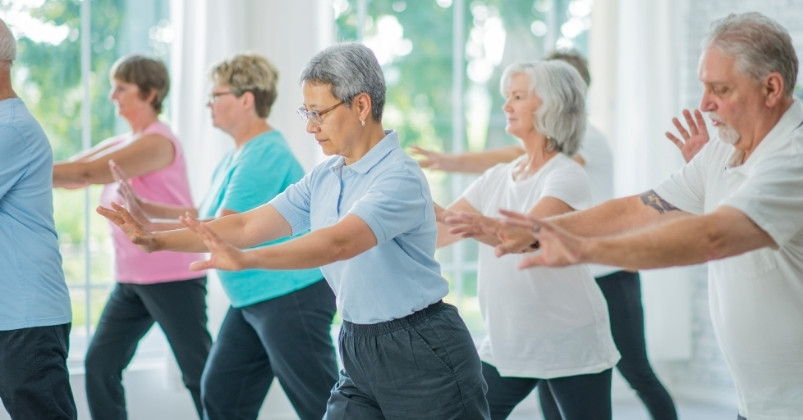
(650, 198)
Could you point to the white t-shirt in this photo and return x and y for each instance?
(598, 157)
(541, 322)
(756, 299)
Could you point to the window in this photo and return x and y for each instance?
(442, 61)
(65, 51)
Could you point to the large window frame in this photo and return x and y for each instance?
(53, 38)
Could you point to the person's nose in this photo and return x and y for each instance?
(311, 127)
(707, 103)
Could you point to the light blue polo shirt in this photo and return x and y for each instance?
(387, 190)
(264, 167)
(32, 288)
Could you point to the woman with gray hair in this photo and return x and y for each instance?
(406, 354)
(548, 325)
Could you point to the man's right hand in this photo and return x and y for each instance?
(694, 138)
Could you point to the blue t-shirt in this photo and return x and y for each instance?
(264, 167)
(32, 288)
(386, 189)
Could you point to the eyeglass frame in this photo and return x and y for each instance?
(315, 116)
(213, 96)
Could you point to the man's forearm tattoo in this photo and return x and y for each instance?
(650, 198)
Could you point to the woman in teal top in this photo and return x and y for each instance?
(279, 321)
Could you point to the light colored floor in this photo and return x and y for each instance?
(634, 410)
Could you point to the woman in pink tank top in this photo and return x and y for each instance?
(149, 288)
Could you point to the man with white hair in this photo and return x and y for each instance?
(35, 315)
(738, 205)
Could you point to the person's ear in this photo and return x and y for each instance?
(773, 89)
(362, 104)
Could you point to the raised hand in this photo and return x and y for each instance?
(132, 202)
(135, 232)
(435, 160)
(556, 247)
(223, 256)
(694, 138)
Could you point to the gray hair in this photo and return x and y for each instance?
(8, 45)
(350, 69)
(760, 46)
(561, 116)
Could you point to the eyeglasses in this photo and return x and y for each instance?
(315, 116)
(213, 97)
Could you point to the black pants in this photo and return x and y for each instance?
(287, 337)
(178, 307)
(622, 291)
(34, 381)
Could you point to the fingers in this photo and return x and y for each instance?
(691, 123)
(674, 139)
(698, 116)
(515, 215)
(109, 214)
(681, 129)
(201, 265)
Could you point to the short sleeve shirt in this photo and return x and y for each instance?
(32, 288)
(388, 191)
(264, 167)
(541, 322)
(756, 298)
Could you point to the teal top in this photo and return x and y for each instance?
(263, 168)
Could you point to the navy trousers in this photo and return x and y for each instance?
(178, 307)
(34, 381)
(288, 338)
(622, 291)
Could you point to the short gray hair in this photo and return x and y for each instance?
(562, 114)
(759, 44)
(350, 69)
(8, 45)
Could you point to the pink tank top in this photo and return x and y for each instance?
(170, 186)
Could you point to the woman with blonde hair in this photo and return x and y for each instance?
(278, 324)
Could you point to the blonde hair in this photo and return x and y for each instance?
(249, 73)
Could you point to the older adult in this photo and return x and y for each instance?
(405, 353)
(150, 288)
(736, 205)
(35, 315)
(540, 323)
(279, 322)
(621, 288)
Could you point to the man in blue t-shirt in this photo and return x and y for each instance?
(35, 315)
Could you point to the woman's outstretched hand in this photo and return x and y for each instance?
(556, 247)
(223, 256)
(131, 200)
(134, 230)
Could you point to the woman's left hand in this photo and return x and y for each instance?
(224, 256)
(556, 247)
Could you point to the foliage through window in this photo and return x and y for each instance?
(49, 77)
(442, 61)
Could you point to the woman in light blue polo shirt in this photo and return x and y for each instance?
(279, 322)
(405, 353)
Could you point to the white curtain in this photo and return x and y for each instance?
(207, 31)
(635, 62)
